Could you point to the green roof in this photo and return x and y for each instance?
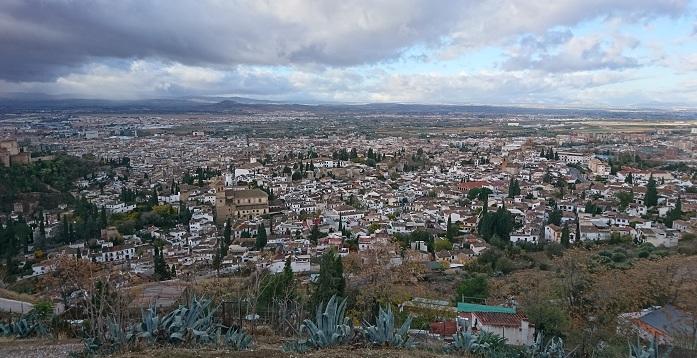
(472, 307)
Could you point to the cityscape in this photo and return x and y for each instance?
(178, 220)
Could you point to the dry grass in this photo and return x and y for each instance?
(12, 295)
(274, 351)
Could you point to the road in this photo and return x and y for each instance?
(13, 306)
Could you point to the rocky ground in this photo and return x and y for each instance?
(63, 348)
(31, 348)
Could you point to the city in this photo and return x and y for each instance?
(393, 178)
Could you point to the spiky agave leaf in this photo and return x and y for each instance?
(331, 326)
(651, 351)
(237, 339)
(465, 342)
(384, 333)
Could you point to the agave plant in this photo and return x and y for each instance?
(384, 333)
(553, 349)
(331, 326)
(237, 339)
(92, 344)
(192, 323)
(485, 343)
(24, 327)
(651, 351)
(148, 327)
(465, 342)
(5, 329)
(116, 335)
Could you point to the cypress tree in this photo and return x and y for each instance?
(314, 234)
(651, 197)
(565, 236)
(449, 229)
(331, 278)
(261, 237)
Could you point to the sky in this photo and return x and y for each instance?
(562, 53)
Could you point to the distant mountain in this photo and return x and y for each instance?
(27, 103)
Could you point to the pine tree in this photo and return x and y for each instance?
(174, 272)
(651, 197)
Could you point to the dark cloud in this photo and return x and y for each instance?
(42, 39)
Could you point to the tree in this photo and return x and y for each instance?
(261, 237)
(103, 221)
(297, 175)
(565, 235)
(441, 244)
(152, 201)
(513, 188)
(449, 231)
(331, 278)
(314, 234)
(651, 197)
(482, 194)
(161, 271)
(629, 179)
(218, 257)
(473, 289)
(555, 216)
(498, 223)
(625, 198)
(277, 286)
(65, 231)
(674, 214)
(227, 233)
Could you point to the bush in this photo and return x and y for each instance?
(554, 249)
(504, 265)
(473, 289)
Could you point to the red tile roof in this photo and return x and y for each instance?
(500, 319)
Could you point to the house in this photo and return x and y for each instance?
(503, 321)
(524, 237)
(299, 263)
(667, 325)
(553, 233)
(681, 225)
(657, 237)
(575, 158)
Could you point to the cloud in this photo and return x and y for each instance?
(43, 40)
(522, 51)
(155, 79)
(557, 51)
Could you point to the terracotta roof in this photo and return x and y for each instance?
(500, 319)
